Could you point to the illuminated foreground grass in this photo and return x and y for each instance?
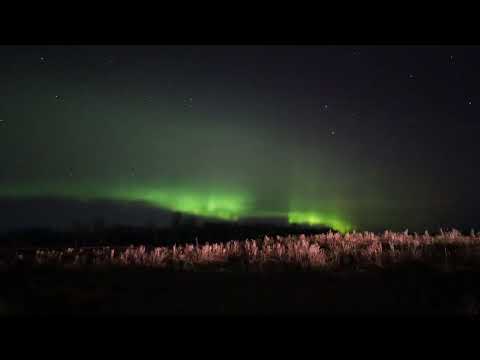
(330, 250)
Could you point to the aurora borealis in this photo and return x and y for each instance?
(360, 138)
(208, 204)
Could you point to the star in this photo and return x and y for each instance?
(469, 102)
(411, 76)
(42, 59)
(188, 102)
(332, 132)
(325, 106)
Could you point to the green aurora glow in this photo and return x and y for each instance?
(229, 133)
(202, 203)
(312, 218)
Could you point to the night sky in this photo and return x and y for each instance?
(353, 137)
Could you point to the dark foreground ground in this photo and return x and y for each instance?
(410, 290)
